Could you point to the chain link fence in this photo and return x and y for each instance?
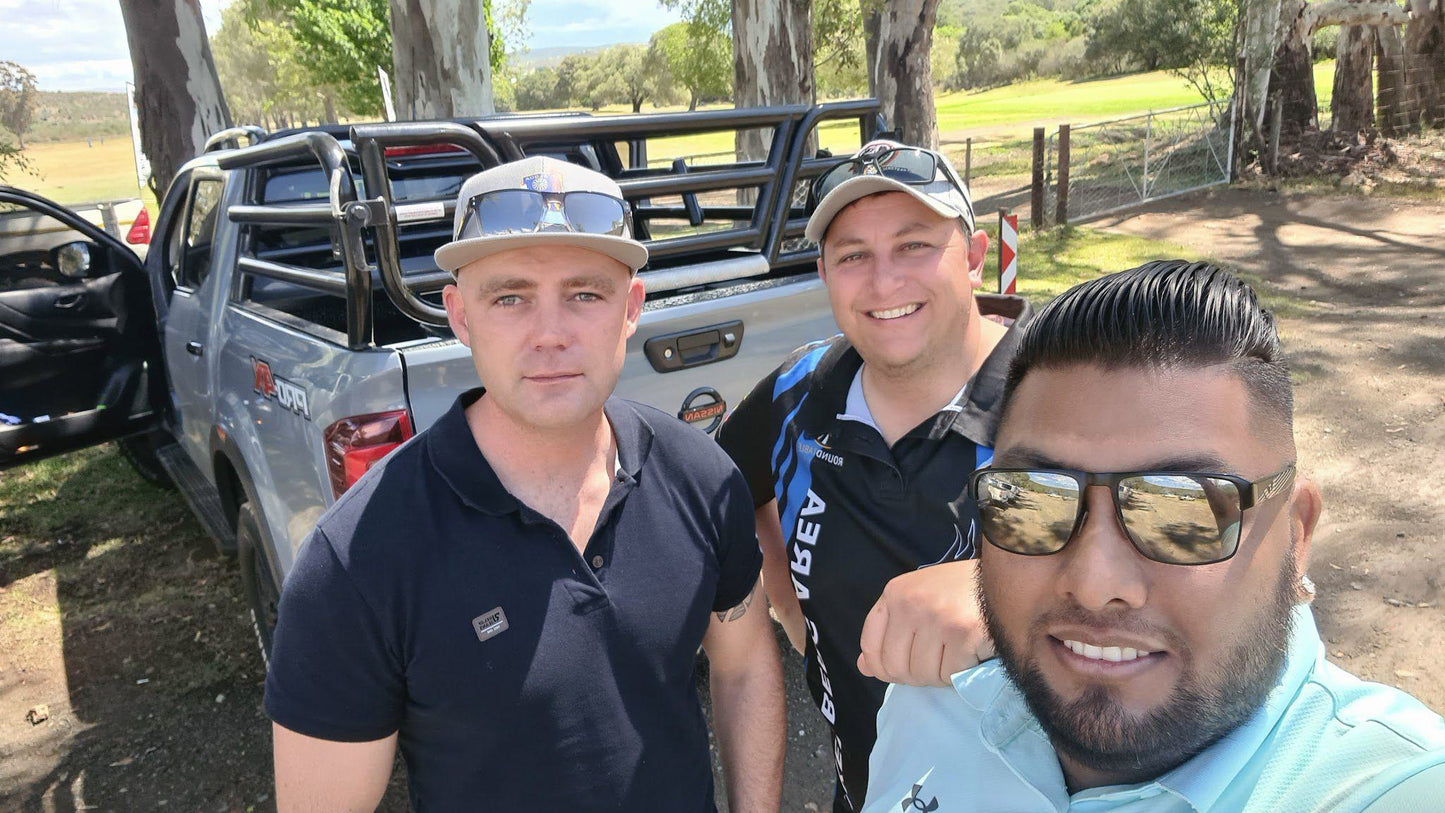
(1112, 165)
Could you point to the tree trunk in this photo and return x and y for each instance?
(1389, 71)
(441, 53)
(691, 101)
(904, 80)
(1353, 100)
(872, 24)
(1261, 26)
(1293, 80)
(1422, 74)
(772, 62)
(330, 104)
(177, 93)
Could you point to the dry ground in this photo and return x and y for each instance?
(115, 616)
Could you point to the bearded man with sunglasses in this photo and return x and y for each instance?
(517, 595)
(1144, 583)
(857, 448)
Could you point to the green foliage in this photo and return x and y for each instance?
(18, 97)
(1021, 40)
(700, 59)
(1192, 37)
(840, 66)
(259, 63)
(343, 42)
(11, 158)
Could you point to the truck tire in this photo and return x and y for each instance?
(140, 452)
(262, 594)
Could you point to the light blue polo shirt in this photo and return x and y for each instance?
(1324, 740)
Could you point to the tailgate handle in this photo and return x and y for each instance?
(694, 348)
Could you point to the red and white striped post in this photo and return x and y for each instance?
(1008, 252)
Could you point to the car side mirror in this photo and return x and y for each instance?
(73, 260)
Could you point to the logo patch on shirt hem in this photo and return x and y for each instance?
(490, 624)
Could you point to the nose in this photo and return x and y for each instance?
(551, 326)
(887, 277)
(1103, 570)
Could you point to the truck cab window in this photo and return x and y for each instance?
(200, 229)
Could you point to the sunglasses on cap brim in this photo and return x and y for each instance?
(524, 211)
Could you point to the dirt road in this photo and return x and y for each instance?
(115, 617)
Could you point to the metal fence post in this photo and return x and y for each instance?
(968, 162)
(1061, 216)
(1148, 141)
(1036, 198)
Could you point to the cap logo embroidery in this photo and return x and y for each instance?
(490, 624)
(549, 181)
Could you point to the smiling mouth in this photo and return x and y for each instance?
(896, 313)
(1114, 654)
(547, 378)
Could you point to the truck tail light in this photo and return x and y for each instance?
(355, 444)
(140, 230)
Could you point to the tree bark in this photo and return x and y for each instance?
(904, 71)
(441, 53)
(1293, 78)
(1389, 70)
(872, 24)
(772, 62)
(177, 92)
(1261, 27)
(1353, 99)
(1422, 72)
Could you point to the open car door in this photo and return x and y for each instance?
(79, 354)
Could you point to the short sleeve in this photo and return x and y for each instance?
(332, 673)
(738, 555)
(748, 436)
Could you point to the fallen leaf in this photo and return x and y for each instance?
(1356, 586)
(121, 763)
(1394, 602)
(38, 714)
(1404, 673)
(1335, 566)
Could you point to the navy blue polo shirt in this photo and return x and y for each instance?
(520, 673)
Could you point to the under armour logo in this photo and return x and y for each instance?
(915, 803)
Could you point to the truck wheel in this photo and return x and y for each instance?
(256, 580)
(140, 452)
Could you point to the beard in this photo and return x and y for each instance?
(1207, 703)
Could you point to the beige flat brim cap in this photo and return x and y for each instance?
(538, 174)
(935, 196)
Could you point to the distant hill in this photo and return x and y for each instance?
(61, 116)
(551, 57)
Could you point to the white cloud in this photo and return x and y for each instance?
(74, 44)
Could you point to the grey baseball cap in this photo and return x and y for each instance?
(537, 174)
(942, 194)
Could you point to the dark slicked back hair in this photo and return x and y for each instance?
(1169, 314)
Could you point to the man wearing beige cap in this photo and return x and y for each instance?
(517, 595)
(858, 448)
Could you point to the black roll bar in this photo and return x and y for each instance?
(342, 210)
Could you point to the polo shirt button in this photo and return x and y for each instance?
(597, 561)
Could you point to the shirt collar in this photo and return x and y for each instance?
(456, 457)
(1009, 728)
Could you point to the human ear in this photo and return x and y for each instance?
(636, 293)
(456, 313)
(1305, 506)
(977, 253)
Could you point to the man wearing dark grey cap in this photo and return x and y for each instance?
(516, 596)
(858, 448)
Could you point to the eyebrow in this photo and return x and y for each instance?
(1023, 457)
(497, 286)
(596, 282)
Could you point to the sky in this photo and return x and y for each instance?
(81, 44)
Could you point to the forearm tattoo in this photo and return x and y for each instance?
(736, 612)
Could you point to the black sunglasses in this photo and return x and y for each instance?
(525, 211)
(914, 166)
(1174, 517)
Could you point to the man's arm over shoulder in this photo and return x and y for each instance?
(334, 686)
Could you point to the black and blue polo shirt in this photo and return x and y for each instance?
(521, 673)
(856, 513)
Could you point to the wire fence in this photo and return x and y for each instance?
(1112, 165)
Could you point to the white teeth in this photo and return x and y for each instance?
(1114, 654)
(894, 313)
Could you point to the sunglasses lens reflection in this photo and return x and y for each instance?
(1181, 519)
(1027, 512)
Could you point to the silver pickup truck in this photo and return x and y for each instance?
(285, 332)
